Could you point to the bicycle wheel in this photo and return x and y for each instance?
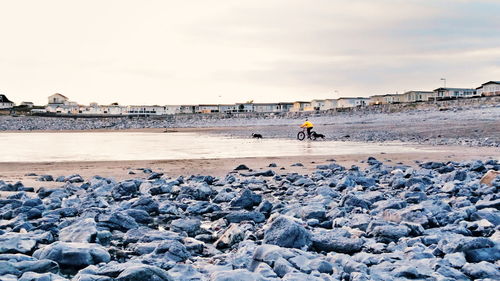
(301, 136)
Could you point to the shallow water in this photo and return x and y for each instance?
(113, 146)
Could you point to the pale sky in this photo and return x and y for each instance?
(226, 51)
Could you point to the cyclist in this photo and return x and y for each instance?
(309, 126)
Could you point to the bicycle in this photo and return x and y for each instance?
(302, 135)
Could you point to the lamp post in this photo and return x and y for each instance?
(444, 80)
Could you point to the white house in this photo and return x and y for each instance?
(453, 93)
(352, 102)
(318, 104)
(266, 107)
(228, 108)
(57, 99)
(206, 108)
(245, 107)
(416, 96)
(27, 104)
(187, 109)
(5, 103)
(172, 109)
(301, 106)
(330, 104)
(491, 88)
(145, 110)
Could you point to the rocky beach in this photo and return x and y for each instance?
(378, 220)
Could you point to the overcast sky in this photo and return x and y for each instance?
(225, 51)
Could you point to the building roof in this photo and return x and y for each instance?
(451, 89)
(3, 98)
(353, 98)
(491, 82)
(60, 95)
(426, 92)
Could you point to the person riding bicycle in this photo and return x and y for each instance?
(309, 126)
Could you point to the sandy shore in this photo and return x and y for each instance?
(13, 172)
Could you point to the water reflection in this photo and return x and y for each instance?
(53, 147)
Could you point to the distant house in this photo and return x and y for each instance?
(228, 108)
(27, 104)
(491, 88)
(453, 93)
(318, 104)
(416, 96)
(172, 109)
(285, 106)
(5, 103)
(301, 106)
(266, 107)
(352, 102)
(145, 110)
(207, 108)
(378, 99)
(57, 99)
(245, 107)
(187, 109)
(331, 104)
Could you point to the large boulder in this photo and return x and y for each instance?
(75, 255)
(247, 199)
(83, 231)
(286, 232)
(336, 241)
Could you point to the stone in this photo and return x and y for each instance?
(117, 220)
(76, 255)
(247, 199)
(481, 270)
(133, 272)
(15, 243)
(83, 231)
(286, 232)
(32, 276)
(237, 217)
(336, 241)
(190, 226)
(173, 250)
(235, 275)
(241, 167)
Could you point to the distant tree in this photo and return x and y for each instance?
(114, 103)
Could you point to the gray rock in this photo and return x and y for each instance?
(235, 275)
(481, 270)
(143, 272)
(336, 241)
(77, 255)
(190, 226)
(247, 199)
(285, 232)
(239, 216)
(32, 276)
(83, 231)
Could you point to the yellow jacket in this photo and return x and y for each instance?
(307, 124)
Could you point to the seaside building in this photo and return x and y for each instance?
(5, 103)
(145, 110)
(228, 108)
(187, 109)
(416, 96)
(245, 107)
(266, 107)
(207, 108)
(285, 106)
(57, 99)
(331, 104)
(453, 93)
(27, 104)
(301, 106)
(352, 102)
(318, 104)
(491, 88)
(378, 99)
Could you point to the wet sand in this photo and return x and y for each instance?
(13, 172)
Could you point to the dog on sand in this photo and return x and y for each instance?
(318, 136)
(256, 136)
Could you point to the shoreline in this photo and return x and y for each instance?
(220, 167)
